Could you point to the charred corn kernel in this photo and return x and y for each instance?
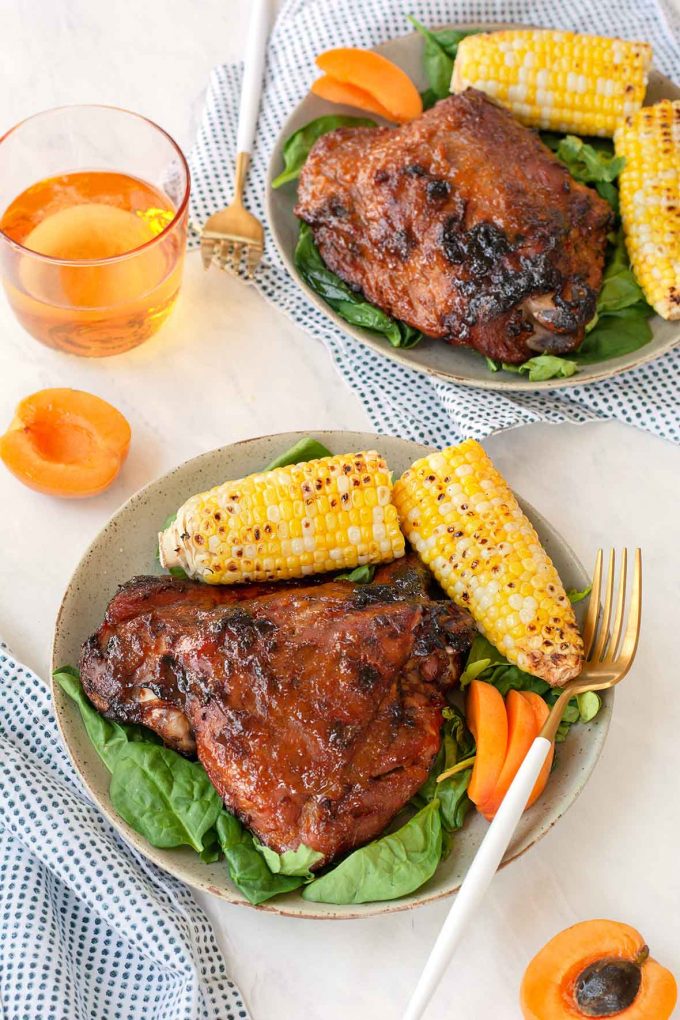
(330, 514)
(466, 525)
(649, 189)
(562, 81)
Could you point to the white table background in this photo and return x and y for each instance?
(226, 367)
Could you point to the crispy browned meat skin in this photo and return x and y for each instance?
(315, 709)
(462, 224)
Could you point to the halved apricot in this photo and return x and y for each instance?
(487, 719)
(597, 968)
(66, 443)
(387, 83)
(522, 729)
(342, 92)
(541, 712)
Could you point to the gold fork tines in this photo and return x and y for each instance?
(609, 653)
(233, 238)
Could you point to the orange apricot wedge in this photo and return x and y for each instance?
(351, 95)
(388, 84)
(541, 712)
(592, 969)
(66, 443)
(487, 719)
(522, 729)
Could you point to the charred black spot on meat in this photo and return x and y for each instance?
(479, 249)
(367, 676)
(437, 189)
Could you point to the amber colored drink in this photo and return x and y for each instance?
(113, 284)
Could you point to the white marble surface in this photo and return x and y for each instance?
(226, 367)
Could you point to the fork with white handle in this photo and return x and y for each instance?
(609, 655)
(234, 236)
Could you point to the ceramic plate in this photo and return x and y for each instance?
(125, 547)
(458, 364)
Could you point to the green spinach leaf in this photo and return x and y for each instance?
(107, 737)
(166, 798)
(454, 803)
(351, 306)
(297, 863)
(298, 146)
(304, 450)
(620, 289)
(390, 867)
(360, 575)
(439, 53)
(615, 335)
(247, 868)
(546, 366)
(586, 163)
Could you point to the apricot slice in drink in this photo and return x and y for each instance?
(597, 968)
(65, 442)
(387, 83)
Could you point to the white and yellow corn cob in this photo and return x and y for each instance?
(466, 525)
(649, 189)
(560, 81)
(330, 514)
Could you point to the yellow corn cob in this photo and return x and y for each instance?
(328, 514)
(649, 188)
(463, 520)
(560, 81)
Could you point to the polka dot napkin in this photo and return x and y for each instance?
(399, 400)
(89, 930)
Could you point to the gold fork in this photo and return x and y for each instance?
(609, 653)
(234, 237)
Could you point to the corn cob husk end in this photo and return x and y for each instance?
(169, 551)
(466, 525)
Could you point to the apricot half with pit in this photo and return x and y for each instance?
(597, 969)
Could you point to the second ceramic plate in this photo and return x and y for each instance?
(457, 364)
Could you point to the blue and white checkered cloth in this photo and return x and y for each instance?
(89, 930)
(397, 399)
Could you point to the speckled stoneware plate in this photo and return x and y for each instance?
(458, 364)
(125, 547)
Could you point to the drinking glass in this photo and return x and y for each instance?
(93, 222)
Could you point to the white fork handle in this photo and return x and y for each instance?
(478, 878)
(258, 30)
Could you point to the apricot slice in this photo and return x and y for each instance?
(387, 83)
(65, 442)
(541, 712)
(522, 729)
(487, 719)
(558, 983)
(342, 92)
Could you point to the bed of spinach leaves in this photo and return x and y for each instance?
(620, 324)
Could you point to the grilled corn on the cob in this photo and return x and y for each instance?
(465, 523)
(649, 189)
(328, 514)
(562, 81)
